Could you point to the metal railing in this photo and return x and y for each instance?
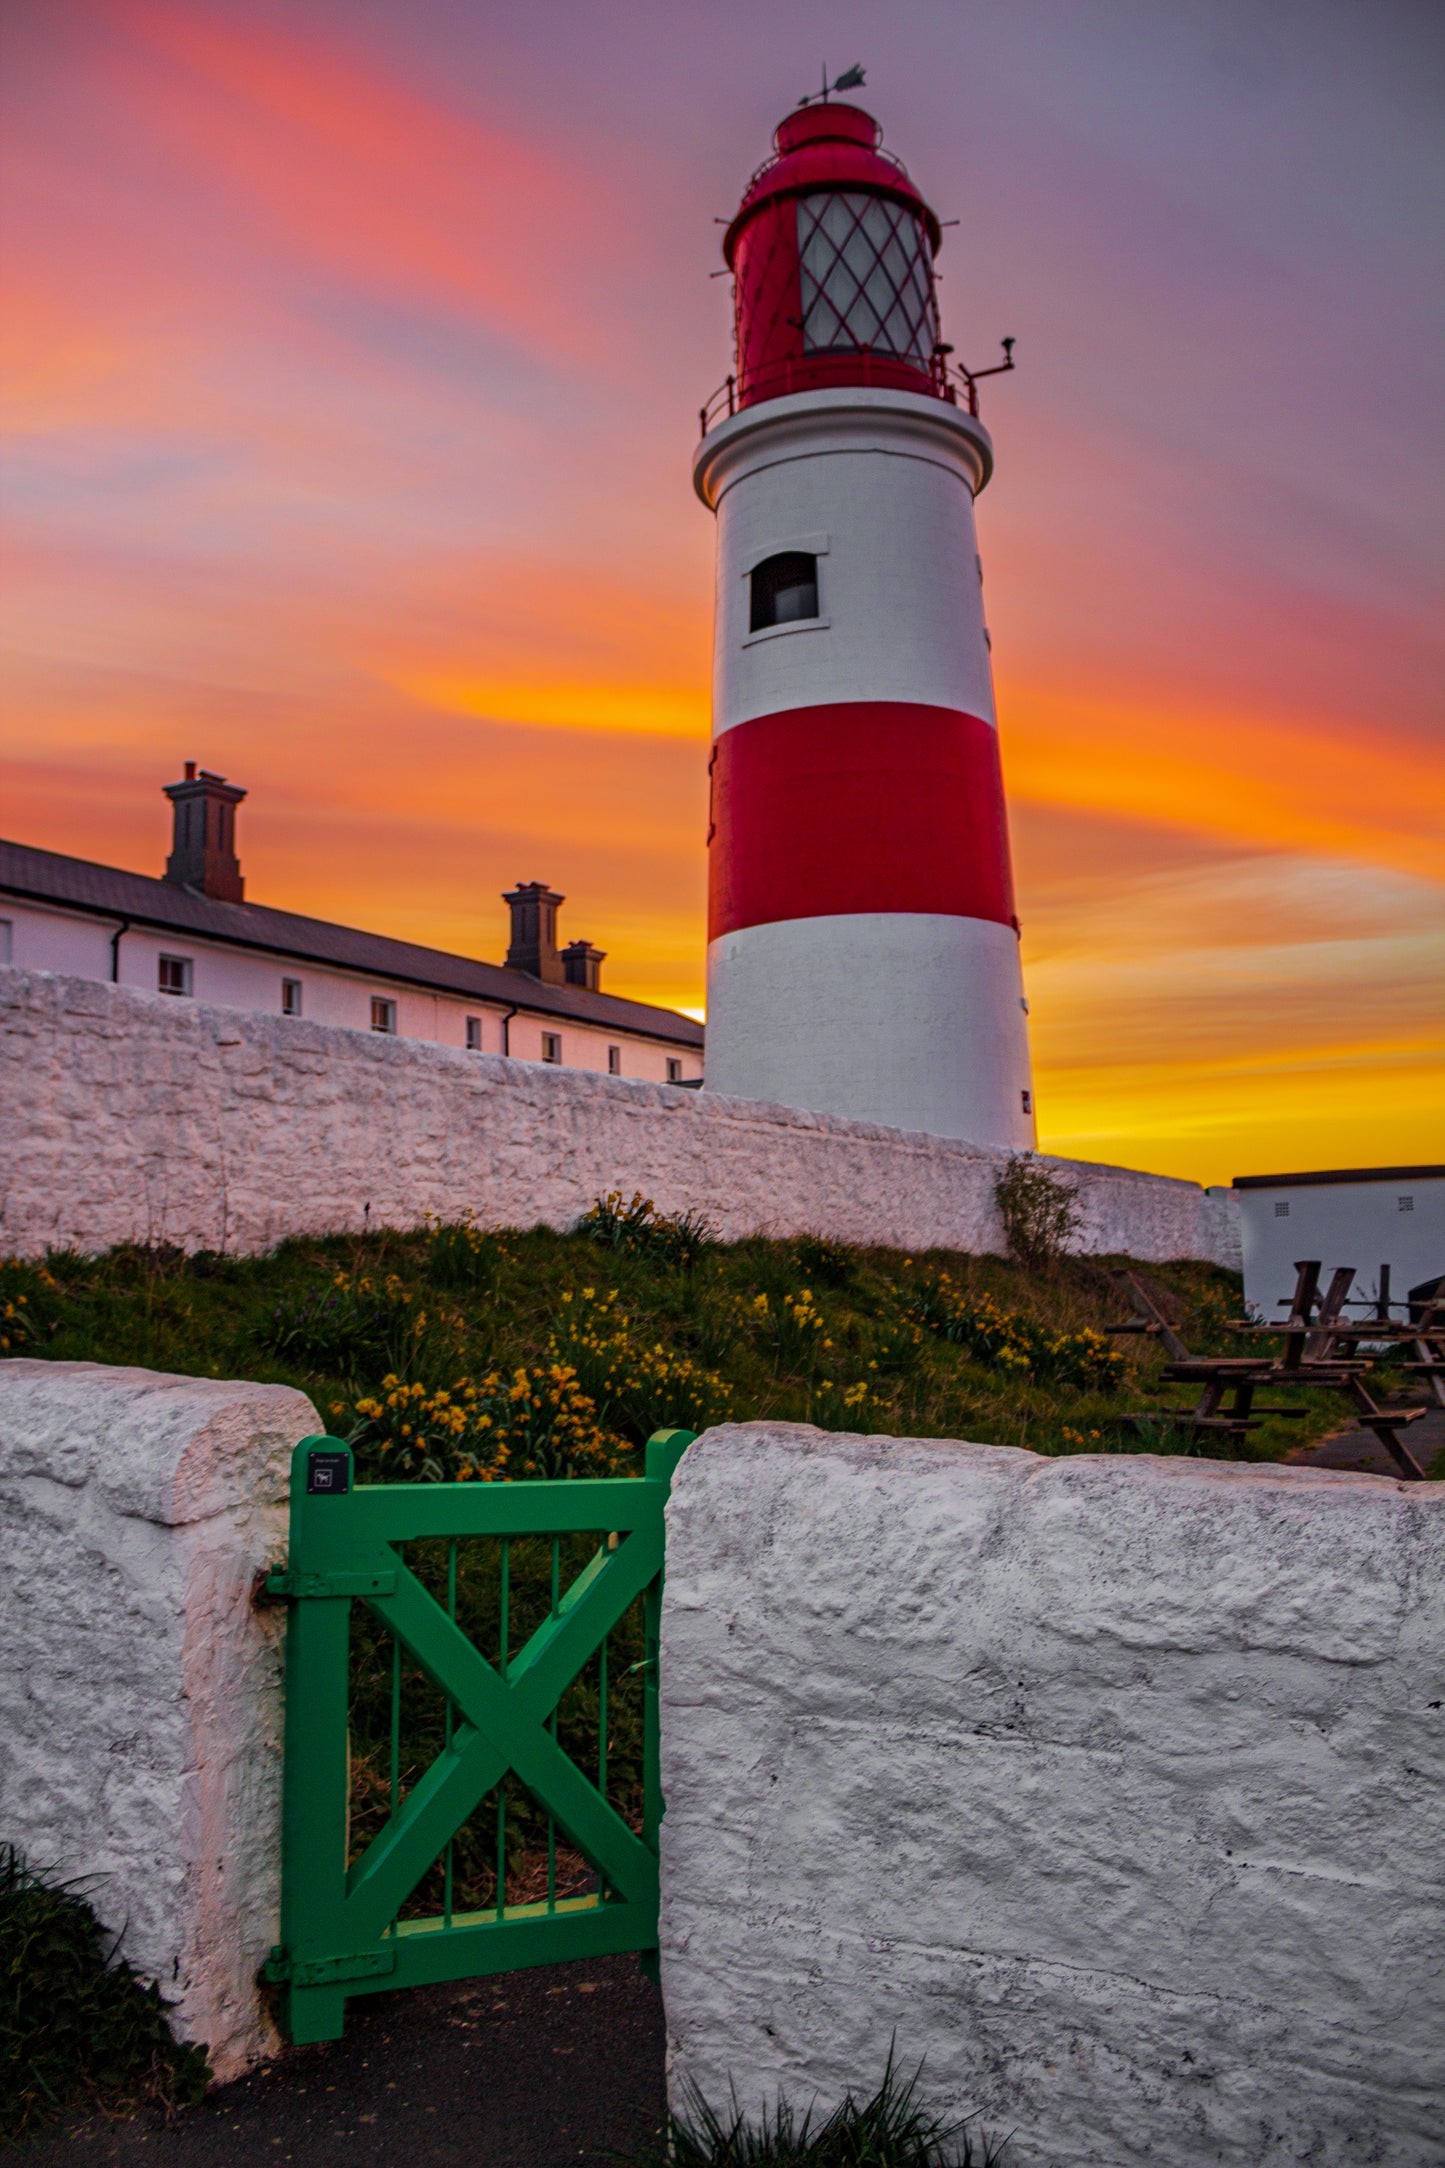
(947, 380)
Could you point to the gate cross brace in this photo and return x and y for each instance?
(503, 1728)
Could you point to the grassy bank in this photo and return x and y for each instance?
(456, 1352)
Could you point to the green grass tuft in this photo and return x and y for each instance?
(889, 2130)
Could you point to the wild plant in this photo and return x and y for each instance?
(507, 1425)
(637, 1382)
(795, 1328)
(1039, 1210)
(637, 1226)
(833, 1264)
(348, 1325)
(462, 1257)
(1008, 1341)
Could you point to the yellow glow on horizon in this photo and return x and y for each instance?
(664, 711)
(1211, 1119)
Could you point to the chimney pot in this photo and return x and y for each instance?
(533, 947)
(203, 841)
(583, 965)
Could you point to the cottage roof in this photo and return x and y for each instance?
(79, 885)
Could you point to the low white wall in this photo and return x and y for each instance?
(140, 1690)
(1108, 1787)
(132, 1117)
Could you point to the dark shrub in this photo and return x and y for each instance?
(78, 2027)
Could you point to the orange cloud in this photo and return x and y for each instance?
(1260, 779)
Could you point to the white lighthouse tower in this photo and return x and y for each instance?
(862, 942)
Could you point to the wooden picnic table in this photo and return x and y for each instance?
(1312, 1332)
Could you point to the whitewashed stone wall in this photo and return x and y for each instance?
(128, 1116)
(140, 1690)
(1109, 1787)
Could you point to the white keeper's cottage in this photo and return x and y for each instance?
(193, 935)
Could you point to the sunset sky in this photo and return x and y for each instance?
(352, 355)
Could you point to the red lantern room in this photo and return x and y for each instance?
(832, 255)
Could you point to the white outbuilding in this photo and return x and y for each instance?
(1378, 1219)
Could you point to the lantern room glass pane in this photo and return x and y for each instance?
(866, 278)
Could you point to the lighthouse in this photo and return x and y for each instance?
(863, 952)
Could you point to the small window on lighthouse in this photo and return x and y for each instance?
(784, 588)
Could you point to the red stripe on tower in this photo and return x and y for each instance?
(872, 805)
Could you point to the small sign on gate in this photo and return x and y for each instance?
(328, 1472)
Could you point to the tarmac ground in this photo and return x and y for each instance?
(560, 2067)
(1360, 1452)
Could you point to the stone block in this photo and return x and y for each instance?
(1102, 1786)
(140, 1689)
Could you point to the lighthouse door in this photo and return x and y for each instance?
(471, 1748)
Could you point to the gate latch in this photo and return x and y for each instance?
(296, 1587)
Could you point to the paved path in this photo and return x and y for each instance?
(1362, 1451)
(552, 2068)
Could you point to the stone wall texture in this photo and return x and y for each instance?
(1108, 1788)
(131, 1117)
(140, 1689)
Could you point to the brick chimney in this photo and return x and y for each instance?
(533, 949)
(583, 965)
(203, 845)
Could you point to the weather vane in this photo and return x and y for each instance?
(851, 79)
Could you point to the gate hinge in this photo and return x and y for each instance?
(295, 1587)
(283, 1970)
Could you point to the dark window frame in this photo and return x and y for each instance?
(292, 997)
(783, 590)
(182, 967)
(552, 1048)
(383, 1015)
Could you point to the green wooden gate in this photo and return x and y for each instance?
(380, 1863)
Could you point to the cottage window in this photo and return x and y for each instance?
(173, 975)
(290, 997)
(474, 1035)
(614, 1061)
(674, 1069)
(383, 1014)
(551, 1046)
